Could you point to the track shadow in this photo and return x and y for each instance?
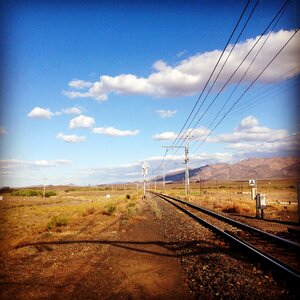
(176, 249)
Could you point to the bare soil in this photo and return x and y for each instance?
(146, 250)
(109, 258)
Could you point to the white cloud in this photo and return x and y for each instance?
(165, 136)
(284, 146)
(189, 76)
(250, 139)
(250, 131)
(75, 94)
(72, 110)
(248, 122)
(133, 171)
(3, 131)
(73, 138)
(8, 164)
(193, 134)
(166, 113)
(63, 161)
(79, 84)
(111, 131)
(40, 113)
(82, 122)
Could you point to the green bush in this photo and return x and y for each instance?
(109, 208)
(27, 193)
(49, 194)
(6, 189)
(131, 211)
(33, 193)
(156, 210)
(71, 190)
(57, 221)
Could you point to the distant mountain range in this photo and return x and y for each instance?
(256, 168)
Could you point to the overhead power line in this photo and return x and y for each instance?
(248, 68)
(277, 16)
(215, 67)
(207, 82)
(234, 104)
(245, 106)
(218, 75)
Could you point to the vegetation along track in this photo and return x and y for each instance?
(278, 254)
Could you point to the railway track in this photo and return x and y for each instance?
(277, 254)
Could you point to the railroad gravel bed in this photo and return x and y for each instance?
(214, 270)
(289, 255)
(279, 229)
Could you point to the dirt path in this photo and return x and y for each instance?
(110, 260)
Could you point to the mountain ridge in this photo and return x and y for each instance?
(258, 168)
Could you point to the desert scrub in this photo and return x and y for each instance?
(236, 208)
(50, 193)
(33, 193)
(89, 211)
(6, 189)
(156, 210)
(57, 221)
(109, 208)
(131, 208)
(27, 193)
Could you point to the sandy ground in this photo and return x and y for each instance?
(108, 259)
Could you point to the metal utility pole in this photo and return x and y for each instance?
(186, 160)
(298, 196)
(44, 192)
(187, 177)
(145, 172)
(164, 177)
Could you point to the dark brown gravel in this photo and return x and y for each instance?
(213, 269)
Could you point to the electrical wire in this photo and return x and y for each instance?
(278, 15)
(245, 107)
(215, 67)
(207, 82)
(245, 73)
(220, 71)
(264, 69)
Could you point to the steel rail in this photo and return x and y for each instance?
(283, 270)
(238, 224)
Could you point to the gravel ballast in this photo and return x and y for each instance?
(213, 269)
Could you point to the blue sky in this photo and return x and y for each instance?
(91, 89)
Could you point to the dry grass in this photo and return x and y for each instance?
(234, 197)
(25, 220)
